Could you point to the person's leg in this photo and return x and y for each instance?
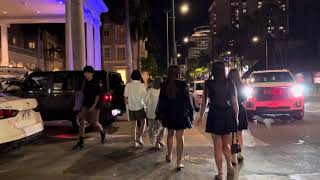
(141, 131)
(217, 142)
(161, 135)
(180, 145)
(94, 116)
(170, 144)
(152, 130)
(240, 158)
(227, 150)
(82, 116)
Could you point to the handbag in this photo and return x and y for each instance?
(79, 97)
(235, 146)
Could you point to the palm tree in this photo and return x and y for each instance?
(128, 39)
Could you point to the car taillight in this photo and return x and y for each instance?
(107, 98)
(5, 113)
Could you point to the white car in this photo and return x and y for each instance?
(197, 93)
(18, 118)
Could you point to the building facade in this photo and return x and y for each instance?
(114, 48)
(200, 41)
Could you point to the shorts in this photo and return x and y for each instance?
(90, 117)
(137, 115)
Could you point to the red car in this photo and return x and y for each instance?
(274, 92)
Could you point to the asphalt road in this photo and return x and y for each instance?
(277, 148)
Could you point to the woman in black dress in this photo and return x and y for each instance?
(175, 111)
(222, 116)
(234, 75)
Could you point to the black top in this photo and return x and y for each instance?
(91, 90)
(220, 94)
(176, 113)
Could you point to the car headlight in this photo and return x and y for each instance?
(248, 92)
(297, 91)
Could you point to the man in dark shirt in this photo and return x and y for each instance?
(90, 109)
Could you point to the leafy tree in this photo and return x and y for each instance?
(150, 65)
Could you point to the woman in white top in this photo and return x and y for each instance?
(136, 95)
(156, 131)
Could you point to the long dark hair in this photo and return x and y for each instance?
(234, 75)
(173, 74)
(218, 71)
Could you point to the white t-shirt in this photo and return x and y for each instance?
(136, 93)
(152, 102)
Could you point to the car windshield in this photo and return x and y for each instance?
(199, 86)
(271, 77)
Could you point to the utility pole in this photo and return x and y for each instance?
(174, 54)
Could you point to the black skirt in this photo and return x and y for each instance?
(243, 118)
(221, 121)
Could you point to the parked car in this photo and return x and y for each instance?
(196, 89)
(19, 118)
(55, 92)
(274, 92)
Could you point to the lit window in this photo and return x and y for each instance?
(106, 33)
(281, 27)
(31, 45)
(244, 11)
(14, 41)
(237, 25)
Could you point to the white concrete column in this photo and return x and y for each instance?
(78, 35)
(90, 43)
(97, 46)
(4, 45)
(69, 59)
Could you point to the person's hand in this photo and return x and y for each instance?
(92, 108)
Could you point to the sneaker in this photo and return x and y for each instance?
(78, 146)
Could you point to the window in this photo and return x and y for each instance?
(37, 82)
(106, 33)
(271, 77)
(107, 53)
(62, 82)
(121, 53)
(14, 41)
(31, 45)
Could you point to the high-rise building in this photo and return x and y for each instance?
(200, 40)
(232, 13)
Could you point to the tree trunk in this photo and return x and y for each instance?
(128, 40)
(139, 55)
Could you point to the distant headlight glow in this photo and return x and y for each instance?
(248, 92)
(297, 91)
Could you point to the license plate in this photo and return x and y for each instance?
(26, 115)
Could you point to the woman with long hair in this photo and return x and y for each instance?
(175, 111)
(234, 75)
(222, 116)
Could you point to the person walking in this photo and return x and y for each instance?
(156, 131)
(234, 75)
(135, 94)
(175, 111)
(222, 115)
(90, 109)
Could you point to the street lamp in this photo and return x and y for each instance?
(255, 39)
(184, 8)
(185, 40)
(179, 55)
(228, 52)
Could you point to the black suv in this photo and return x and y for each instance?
(55, 92)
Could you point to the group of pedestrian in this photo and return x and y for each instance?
(166, 105)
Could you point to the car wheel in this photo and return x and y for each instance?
(299, 115)
(250, 115)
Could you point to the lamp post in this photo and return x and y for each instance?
(256, 39)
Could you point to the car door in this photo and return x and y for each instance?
(61, 98)
(37, 85)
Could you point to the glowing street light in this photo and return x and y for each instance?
(186, 40)
(179, 55)
(255, 39)
(184, 8)
(228, 52)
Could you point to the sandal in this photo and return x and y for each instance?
(168, 160)
(217, 177)
(180, 167)
(240, 158)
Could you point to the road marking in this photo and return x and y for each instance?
(314, 176)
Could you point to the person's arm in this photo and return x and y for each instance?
(97, 97)
(126, 94)
(203, 104)
(234, 101)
